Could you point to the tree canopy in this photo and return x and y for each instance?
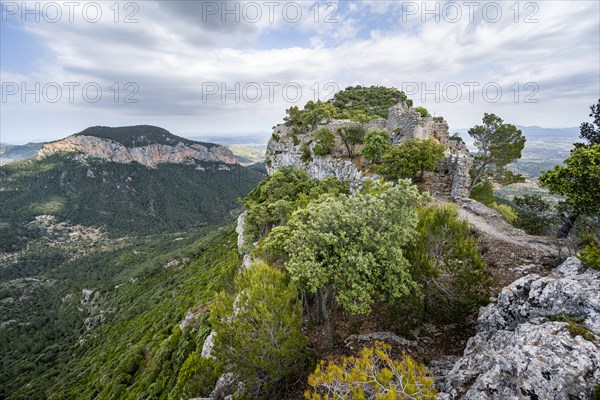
(376, 143)
(273, 200)
(591, 131)
(351, 135)
(356, 103)
(353, 245)
(498, 144)
(258, 335)
(324, 142)
(411, 157)
(579, 180)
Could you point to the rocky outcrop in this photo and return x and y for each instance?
(285, 149)
(288, 148)
(243, 247)
(150, 155)
(209, 344)
(540, 340)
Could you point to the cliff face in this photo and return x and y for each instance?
(286, 149)
(149, 155)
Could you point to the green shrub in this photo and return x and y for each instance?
(595, 394)
(412, 157)
(324, 143)
(446, 262)
(197, 378)
(351, 135)
(258, 336)
(534, 215)
(377, 142)
(590, 255)
(306, 156)
(506, 211)
(274, 199)
(423, 111)
(373, 375)
(351, 247)
(484, 193)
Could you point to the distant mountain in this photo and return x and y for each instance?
(110, 236)
(537, 132)
(10, 152)
(129, 181)
(144, 144)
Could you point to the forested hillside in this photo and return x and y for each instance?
(359, 268)
(95, 254)
(106, 325)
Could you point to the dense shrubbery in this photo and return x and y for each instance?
(412, 157)
(356, 103)
(373, 375)
(197, 377)
(534, 215)
(126, 199)
(579, 180)
(324, 142)
(352, 245)
(258, 333)
(273, 200)
(376, 143)
(423, 111)
(448, 266)
(590, 255)
(138, 350)
(363, 104)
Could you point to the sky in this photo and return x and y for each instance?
(217, 67)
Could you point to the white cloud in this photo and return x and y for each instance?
(171, 54)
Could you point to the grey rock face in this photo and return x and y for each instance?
(285, 148)
(209, 344)
(150, 155)
(287, 151)
(224, 386)
(520, 353)
(459, 163)
(239, 229)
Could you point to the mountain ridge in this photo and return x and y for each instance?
(144, 144)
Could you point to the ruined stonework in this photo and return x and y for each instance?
(150, 155)
(285, 148)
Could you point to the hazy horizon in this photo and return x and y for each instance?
(201, 67)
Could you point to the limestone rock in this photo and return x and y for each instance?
(209, 344)
(239, 229)
(150, 155)
(224, 387)
(569, 290)
(286, 148)
(519, 352)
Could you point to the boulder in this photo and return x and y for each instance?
(539, 341)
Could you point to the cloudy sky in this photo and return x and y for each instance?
(216, 67)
